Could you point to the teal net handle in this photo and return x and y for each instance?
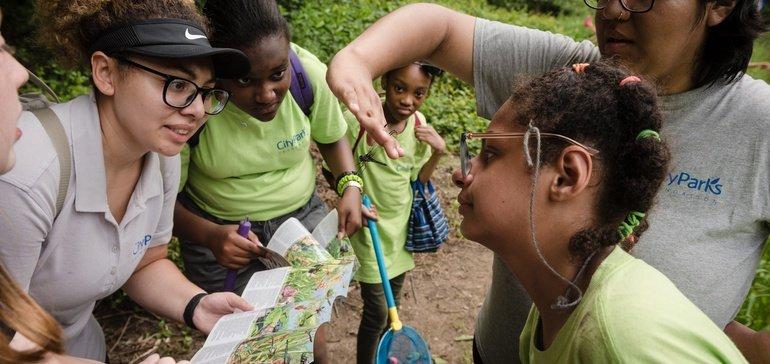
(380, 258)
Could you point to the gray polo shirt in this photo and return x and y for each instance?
(84, 255)
(710, 222)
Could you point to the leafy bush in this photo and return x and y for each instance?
(553, 7)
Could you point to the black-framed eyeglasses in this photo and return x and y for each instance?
(180, 92)
(466, 156)
(634, 6)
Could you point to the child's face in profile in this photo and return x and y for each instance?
(405, 90)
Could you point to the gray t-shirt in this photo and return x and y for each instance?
(83, 255)
(710, 223)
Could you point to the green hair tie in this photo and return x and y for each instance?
(646, 133)
(627, 227)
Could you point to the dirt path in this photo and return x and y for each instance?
(441, 296)
(440, 300)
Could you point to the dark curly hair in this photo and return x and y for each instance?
(242, 23)
(592, 108)
(70, 27)
(727, 49)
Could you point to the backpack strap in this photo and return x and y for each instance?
(53, 127)
(300, 87)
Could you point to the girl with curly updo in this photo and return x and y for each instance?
(567, 171)
(88, 210)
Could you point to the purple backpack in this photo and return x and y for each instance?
(300, 89)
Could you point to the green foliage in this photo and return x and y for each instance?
(755, 312)
(553, 7)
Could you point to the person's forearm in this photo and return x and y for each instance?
(416, 32)
(755, 346)
(429, 167)
(191, 227)
(159, 286)
(338, 156)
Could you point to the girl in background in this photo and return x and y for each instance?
(388, 184)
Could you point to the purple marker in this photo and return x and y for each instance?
(243, 230)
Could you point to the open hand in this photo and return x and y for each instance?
(352, 84)
(215, 305)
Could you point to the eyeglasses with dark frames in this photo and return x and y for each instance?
(180, 92)
(634, 6)
(466, 156)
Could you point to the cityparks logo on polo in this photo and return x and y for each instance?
(192, 36)
(710, 185)
(141, 245)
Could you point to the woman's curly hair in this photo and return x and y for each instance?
(70, 27)
(592, 108)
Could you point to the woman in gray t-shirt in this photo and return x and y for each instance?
(711, 222)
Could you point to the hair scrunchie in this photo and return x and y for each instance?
(627, 227)
(630, 79)
(647, 133)
(579, 67)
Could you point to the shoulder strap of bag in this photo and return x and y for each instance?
(417, 121)
(300, 86)
(53, 127)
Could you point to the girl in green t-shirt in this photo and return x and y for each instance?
(388, 183)
(568, 169)
(253, 160)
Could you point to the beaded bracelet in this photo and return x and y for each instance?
(345, 178)
(353, 184)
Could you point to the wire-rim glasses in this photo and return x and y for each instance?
(466, 156)
(180, 92)
(634, 6)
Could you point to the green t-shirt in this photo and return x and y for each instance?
(243, 167)
(631, 313)
(390, 190)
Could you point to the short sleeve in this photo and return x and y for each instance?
(25, 220)
(327, 124)
(169, 169)
(503, 52)
(422, 152)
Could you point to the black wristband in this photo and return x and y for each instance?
(190, 309)
(343, 174)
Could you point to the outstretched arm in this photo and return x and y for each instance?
(414, 32)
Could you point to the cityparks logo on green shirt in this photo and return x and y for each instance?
(292, 143)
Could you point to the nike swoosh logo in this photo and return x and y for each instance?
(192, 36)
